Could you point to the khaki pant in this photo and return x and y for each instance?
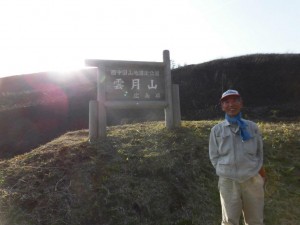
(246, 197)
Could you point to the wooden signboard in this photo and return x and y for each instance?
(131, 81)
(132, 84)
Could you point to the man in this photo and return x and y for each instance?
(236, 152)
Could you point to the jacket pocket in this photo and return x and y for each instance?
(224, 169)
(250, 146)
(224, 144)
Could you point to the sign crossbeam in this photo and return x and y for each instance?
(135, 104)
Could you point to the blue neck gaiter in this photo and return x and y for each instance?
(242, 125)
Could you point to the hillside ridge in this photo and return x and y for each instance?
(142, 174)
(35, 108)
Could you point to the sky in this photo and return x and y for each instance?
(41, 35)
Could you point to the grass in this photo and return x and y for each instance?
(141, 174)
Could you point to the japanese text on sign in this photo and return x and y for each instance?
(135, 84)
(126, 72)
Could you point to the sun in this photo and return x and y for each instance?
(42, 35)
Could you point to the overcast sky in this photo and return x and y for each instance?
(45, 34)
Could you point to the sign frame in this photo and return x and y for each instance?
(104, 100)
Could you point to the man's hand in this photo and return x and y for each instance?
(262, 173)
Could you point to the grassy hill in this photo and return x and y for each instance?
(142, 174)
(35, 108)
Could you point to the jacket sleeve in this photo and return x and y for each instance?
(213, 148)
(259, 146)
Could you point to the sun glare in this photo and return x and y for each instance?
(42, 35)
(61, 34)
(57, 34)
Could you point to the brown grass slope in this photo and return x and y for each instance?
(142, 174)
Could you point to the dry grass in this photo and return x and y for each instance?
(142, 174)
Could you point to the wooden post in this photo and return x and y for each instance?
(93, 120)
(168, 83)
(101, 103)
(176, 105)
